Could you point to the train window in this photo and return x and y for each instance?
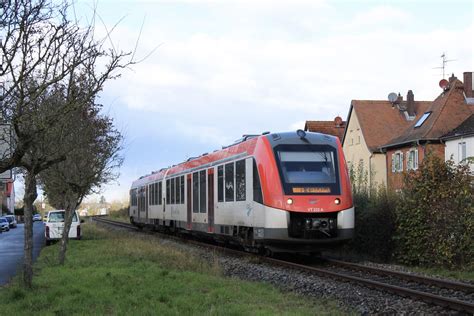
(152, 194)
(202, 191)
(257, 188)
(160, 193)
(229, 182)
(182, 189)
(240, 180)
(168, 190)
(178, 190)
(157, 201)
(220, 184)
(133, 197)
(195, 192)
(173, 190)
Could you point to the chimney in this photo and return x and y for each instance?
(468, 85)
(338, 121)
(399, 99)
(452, 78)
(410, 103)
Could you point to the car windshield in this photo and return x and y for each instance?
(57, 217)
(3, 220)
(9, 219)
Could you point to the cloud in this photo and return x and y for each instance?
(229, 68)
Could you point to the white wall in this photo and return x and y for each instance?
(452, 146)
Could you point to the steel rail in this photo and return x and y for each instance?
(454, 304)
(401, 291)
(453, 285)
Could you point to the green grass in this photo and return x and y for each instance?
(461, 275)
(117, 273)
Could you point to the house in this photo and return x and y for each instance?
(335, 128)
(7, 192)
(373, 123)
(424, 134)
(459, 143)
(7, 196)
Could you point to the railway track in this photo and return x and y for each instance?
(448, 294)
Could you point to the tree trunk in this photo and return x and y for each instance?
(68, 215)
(28, 199)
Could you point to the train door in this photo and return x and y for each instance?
(210, 200)
(189, 201)
(199, 200)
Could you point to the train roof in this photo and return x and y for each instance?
(243, 147)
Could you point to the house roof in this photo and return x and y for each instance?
(380, 120)
(335, 128)
(466, 128)
(448, 111)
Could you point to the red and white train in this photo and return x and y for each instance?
(287, 192)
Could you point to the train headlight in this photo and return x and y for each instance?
(289, 201)
(337, 201)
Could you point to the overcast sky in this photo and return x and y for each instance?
(227, 68)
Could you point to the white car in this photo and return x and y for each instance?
(54, 226)
(11, 220)
(4, 225)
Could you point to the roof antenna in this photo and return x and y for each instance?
(444, 61)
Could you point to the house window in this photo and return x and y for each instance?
(461, 151)
(422, 119)
(358, 139)
(412, 159)
(397, 162)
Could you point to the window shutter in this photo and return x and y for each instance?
(415, 165)
(401, 161)
(393, 162)
(409, 163)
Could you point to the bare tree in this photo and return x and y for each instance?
(41, 50)
(92, 155)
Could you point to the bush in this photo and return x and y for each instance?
(121, 213)
(435, 219)
(374, 217)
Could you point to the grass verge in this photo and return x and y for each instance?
(112, 272)
(461, 275)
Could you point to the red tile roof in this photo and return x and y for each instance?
(335, 128)
(380, 121)
(448, 111)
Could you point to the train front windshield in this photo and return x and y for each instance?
(308, 169)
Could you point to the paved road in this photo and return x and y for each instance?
(11, 249)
